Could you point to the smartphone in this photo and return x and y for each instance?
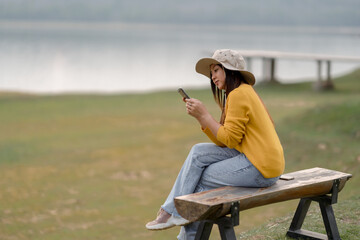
(183, 93)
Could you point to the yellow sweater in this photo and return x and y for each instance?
(249, 129)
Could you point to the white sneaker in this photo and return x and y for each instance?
(164, 221)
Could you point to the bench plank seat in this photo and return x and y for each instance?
(216, 203)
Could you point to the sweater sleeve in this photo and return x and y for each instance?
(211, 136)
(237, 116)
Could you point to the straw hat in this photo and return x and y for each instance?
(229, 59)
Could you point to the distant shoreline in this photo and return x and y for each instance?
(9, 92)
(61, 57)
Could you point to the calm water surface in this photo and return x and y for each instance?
(73, 57)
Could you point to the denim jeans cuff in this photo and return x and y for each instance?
(171, 210)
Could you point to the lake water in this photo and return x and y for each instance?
(115, 57)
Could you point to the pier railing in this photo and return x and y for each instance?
(269, 64)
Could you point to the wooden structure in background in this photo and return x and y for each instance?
(269, 64)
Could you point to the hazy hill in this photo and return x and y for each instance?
(256, 12)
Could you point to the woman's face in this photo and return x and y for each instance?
(218, 76)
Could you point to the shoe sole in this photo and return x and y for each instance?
(167, 227)
(159, 229)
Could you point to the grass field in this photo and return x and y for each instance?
(99, 166)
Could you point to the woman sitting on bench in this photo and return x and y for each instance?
(246, 150)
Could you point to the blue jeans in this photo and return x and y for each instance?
(209, 166)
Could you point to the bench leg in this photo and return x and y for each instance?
(226, 229)
(226, 225)
(204, 230)
(328, 216)
(300, 214)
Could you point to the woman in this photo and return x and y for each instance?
(246, 150)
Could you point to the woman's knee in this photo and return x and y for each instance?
(202, 147)
(200, 154)
(198, 149)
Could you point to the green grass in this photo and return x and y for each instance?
(99, 166)
(347, 218)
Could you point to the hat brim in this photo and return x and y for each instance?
(203, 67)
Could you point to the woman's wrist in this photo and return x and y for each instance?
(207, 121)
(204, 119)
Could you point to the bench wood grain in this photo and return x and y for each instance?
(215, 203)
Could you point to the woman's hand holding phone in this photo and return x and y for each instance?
(197, 109)
(194, 107)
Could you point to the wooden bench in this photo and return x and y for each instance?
(221, 206)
